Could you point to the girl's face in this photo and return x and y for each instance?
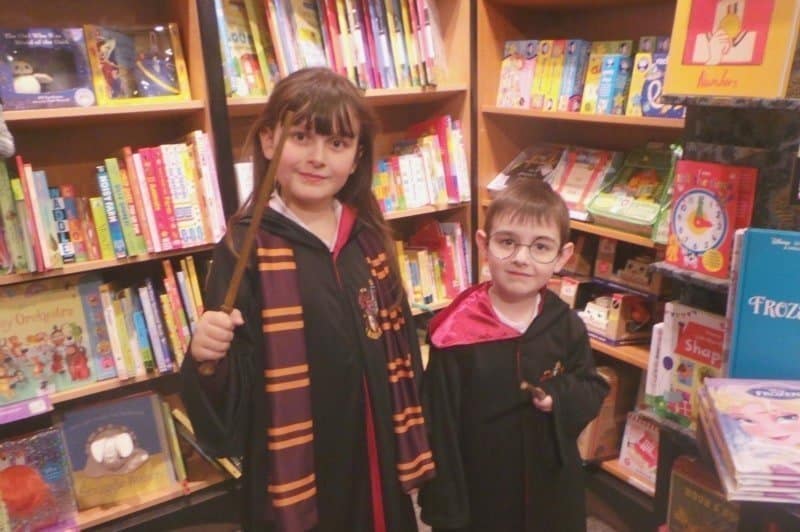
(778, 426)
(313, 168)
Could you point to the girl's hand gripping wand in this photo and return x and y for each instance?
(261, 199)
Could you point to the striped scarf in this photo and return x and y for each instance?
(290, 436)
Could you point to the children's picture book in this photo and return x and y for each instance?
(117, 450)
(732, 48)
(137, 64)
(581, 174)
(35, 484)
(639, 452)
(765, 334)
(44, 68)
(759, 424)
(517, 71)
(47, 339)
(538, 161)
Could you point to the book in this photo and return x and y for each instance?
(137, 64)
(517, 70)
(767, 307)
(44, 68)
(47, 335)
(35, 483)
(732, 48)
(757, 424)
(639, 451)
(538, 161)
(697, 501)
(117, 450)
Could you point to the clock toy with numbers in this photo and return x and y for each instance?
(699, 221)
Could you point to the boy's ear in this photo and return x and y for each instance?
(481, 239)
(267, 137)
(566, 253)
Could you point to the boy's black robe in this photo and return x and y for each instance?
(341, 358)
(501, 464)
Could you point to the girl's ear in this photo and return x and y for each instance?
(267, 137)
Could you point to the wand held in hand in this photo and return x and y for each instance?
(208, 367)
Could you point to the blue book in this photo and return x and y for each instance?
(765, 332)
(99, 343)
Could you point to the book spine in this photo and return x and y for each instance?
(99, 342)
(160, 327)
(178, 315)
(62, 234)
(187, 298)
(114, 227)
(104, 241)
(113, 336)
(172, 330)
(12, 223)
(25, 194)
(194, 283)
(25, 223)
(127, 338)
(88, 228)
(153, 331)
(150, 225)
(174, 447)
(162, 176)
(133, 194)
(132, 240)
(77, 234)
(162, 216)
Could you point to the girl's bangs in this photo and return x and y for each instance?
(324, 116)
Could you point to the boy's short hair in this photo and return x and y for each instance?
(529, 200)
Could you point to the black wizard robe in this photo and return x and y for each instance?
(502, 464)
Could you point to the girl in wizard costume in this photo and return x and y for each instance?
(317, 367)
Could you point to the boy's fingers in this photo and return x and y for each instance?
(236, 317)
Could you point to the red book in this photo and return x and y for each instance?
(441, 126)
(161, 198)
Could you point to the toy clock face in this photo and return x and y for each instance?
(699, 221)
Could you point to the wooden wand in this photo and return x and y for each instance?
(208, 367)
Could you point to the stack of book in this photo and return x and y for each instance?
(752, 430)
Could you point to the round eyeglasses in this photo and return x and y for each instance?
(543, 251)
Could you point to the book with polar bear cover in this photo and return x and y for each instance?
(44, 68)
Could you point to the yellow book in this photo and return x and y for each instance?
(641, 66)
(411, 46)
(397, 40)
(172, 332)
(194, 283)
(735, 49)
(541, 77)
(555, 70)
(172, 440)
(347, 42)
(101, 227)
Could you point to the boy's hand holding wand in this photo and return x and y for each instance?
(541, 400)
(208, 367)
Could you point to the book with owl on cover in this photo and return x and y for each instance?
(118, 450)
(35, 485)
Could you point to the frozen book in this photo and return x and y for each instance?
(759, 424)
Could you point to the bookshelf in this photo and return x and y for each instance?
(68, 143)
(501, 133)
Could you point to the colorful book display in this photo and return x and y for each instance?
(43, 68)
(725, 48)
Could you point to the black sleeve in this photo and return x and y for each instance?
(444, 499)
(218, 405)
(579, 391)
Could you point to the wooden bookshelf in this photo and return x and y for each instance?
(610, 232)
(105, 514)
(99, 265)
(597, 120)
(100, 387)
(636, 355)
(67, 116)
(420, 211)
(614, 468)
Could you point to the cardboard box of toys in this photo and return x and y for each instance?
(628, 265)
(583, 258)
(576, 290)
(621, 318)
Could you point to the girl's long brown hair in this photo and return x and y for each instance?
(328, 104)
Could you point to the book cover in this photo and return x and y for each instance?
(765, 335)
(538, 161)
(653, 86)
(137, 64)
(35, 484)
(696, 499)
(46, 337)
(758, 424)
(732, 48)
(117, 450)
(516, 73)
(44, 68)
(703, 218)
(639, 452)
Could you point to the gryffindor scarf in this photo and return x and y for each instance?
(290, 433)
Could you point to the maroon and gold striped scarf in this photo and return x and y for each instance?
(290, 436)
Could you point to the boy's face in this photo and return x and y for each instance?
(520, 276)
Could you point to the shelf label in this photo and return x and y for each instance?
(24, 409)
